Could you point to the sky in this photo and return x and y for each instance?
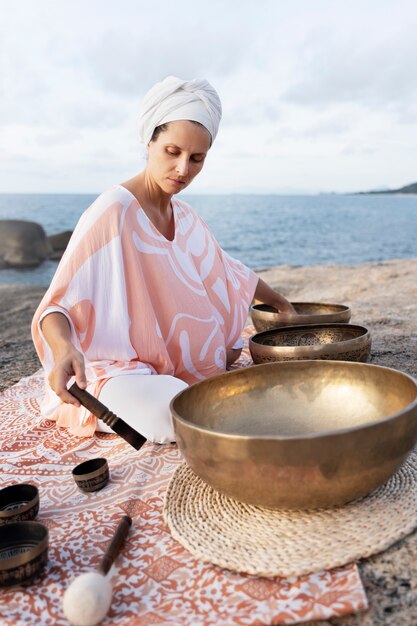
(318, 95)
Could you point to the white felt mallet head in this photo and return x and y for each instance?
(88, 598)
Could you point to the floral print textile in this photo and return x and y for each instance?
(156, 581)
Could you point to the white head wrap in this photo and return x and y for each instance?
(175, 99)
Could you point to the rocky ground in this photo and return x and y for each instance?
(17, 354)
(383, 297)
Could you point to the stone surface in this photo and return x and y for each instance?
(22, 244)
(59, 242)
(383, 296)
(18, 358)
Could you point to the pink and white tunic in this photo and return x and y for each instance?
(138, 303)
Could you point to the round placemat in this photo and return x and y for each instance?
(265, 542)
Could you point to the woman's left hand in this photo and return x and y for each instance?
(282, 305)
(265, 294)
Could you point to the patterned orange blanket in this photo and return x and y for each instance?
(157, 581)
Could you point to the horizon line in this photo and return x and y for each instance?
(195, 193)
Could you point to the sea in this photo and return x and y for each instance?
(260, 230)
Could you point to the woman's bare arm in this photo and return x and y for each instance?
(68, 361)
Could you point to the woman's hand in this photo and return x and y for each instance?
(265, 294)
(68, 361)
(282, 304)
(232, 355)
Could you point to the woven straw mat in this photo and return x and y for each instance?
(265, 542)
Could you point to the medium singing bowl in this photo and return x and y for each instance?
(91, 475)
(339, 342)
(265, 317)
(298, 434)
(18, 503)
(23, 552)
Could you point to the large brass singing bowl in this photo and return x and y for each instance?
(298, 434)
(265, 317)
(339, 342)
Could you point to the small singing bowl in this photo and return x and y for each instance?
(338, 342)
(298, 434)
(23, 552)
(265, 317)
(18, 503)
(91, 475)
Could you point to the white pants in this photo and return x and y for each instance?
(142, 400)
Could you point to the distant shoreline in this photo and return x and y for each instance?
(379, 193)
(407, 190)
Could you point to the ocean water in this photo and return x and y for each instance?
(260, 230)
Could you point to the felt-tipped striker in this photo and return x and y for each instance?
(89, 596)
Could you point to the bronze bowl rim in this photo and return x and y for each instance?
(306, 327)
(41, 543)
(24, 505)
(342, 308)
(306, 436)
(82, 471)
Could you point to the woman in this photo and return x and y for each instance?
(143, 287)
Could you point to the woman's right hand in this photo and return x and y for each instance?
(68, 363)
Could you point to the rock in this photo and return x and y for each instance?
(59, 242)
(22, 244)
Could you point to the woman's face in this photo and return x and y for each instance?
(177, 155)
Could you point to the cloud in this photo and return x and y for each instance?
(50, 137)
(131, 65)
(87, 64)
(358, 149)
(311, 128)
(339, 68)
(307, 88)
(94, 112)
